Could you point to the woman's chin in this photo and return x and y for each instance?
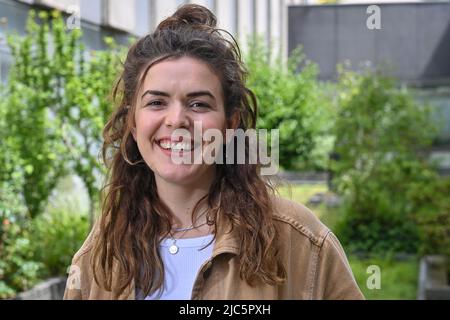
(179, 174)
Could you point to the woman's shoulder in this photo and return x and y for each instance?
(293, 216)
(80, 277)
(87, 245)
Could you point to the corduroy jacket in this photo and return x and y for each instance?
(315, 263)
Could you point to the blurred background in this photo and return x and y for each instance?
(359, 90)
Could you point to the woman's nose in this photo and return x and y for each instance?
(176, 117)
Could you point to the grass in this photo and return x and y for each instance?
(301, 194)
(398, 279)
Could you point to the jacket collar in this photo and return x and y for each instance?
(227, 241)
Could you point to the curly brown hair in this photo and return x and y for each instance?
(133, 218)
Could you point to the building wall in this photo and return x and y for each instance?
(413, 39)
(226, 12)
(240, 17)
(121, 18)
(413, 43)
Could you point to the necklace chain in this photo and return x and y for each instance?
(192, 227)
(173, 249)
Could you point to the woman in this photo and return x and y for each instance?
(196, 231)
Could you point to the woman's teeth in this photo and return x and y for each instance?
(175, 146)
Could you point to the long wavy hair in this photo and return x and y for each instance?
(133, 218)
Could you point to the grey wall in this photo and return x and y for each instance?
(16, 13)
(414, 38)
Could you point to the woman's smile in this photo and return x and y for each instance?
(179, 147)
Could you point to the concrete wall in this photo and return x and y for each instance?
(50, 289)
(226, 12)
(241, 18)
(414, 38)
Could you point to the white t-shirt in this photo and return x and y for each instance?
(180, 269)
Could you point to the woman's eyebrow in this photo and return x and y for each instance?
(201, 93)
(155, 93)
(189, 95)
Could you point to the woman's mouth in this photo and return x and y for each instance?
(178, 147)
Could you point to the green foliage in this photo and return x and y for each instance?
(378, 121)
(430, 200)
(56, 235)
(381, 136)
(18, 270)
(293, 102)
(398, 277)
(33, 138)
(86, 111)
(52, 111)
(54, 107)
(36, 249)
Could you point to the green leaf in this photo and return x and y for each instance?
(29, 169)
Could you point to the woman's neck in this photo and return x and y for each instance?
(181, 200)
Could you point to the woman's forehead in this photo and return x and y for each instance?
(183, 73)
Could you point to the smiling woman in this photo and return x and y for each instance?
(199, 230)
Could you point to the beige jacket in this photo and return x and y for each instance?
(315, 263)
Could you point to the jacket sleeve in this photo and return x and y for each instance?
(334, 278)
(80, 272)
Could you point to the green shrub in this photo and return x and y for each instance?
(31, 99)
(52, 111)
(291, 99)
(432, 215)
(32, 250)
(56, 236)
(18, 270)
(54, 106)
(381, 139)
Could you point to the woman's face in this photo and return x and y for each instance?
(175, 94)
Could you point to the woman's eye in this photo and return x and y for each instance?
(155, 103)
(199, 105)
